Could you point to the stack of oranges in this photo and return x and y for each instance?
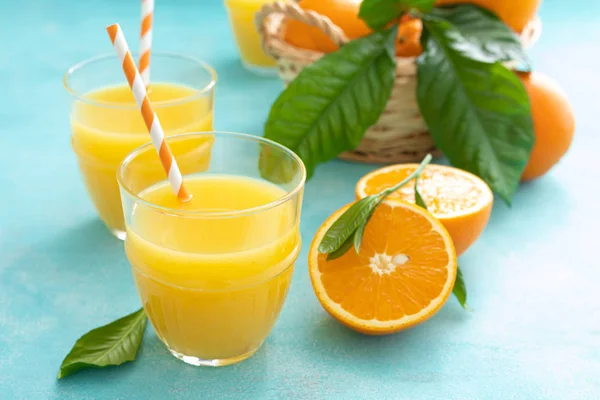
(407, 264)
(553, 119)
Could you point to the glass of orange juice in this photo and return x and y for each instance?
(106, 123)
(213, 273)
(241, 16)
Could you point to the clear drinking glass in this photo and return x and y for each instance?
(213, 273)
(106, 123)
(241, 17)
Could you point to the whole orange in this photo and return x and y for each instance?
(344, 14)
(553, 123)
(515, 13)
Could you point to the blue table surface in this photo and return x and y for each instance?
(533, 277)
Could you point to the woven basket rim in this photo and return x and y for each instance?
(271, 17)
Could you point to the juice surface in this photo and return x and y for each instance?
(109, 127)
(241, 16)
(213, 287)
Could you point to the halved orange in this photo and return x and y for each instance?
(460, 200)
(403, 275)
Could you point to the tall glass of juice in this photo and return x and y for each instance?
(213, 272)
(106, 123)
(241, 16)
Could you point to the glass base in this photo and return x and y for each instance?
(262, 71)
(212, 363)
(119, 234)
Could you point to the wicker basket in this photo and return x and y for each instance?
(400, 134)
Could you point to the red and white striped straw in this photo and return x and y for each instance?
(146, 40)
(150, 119)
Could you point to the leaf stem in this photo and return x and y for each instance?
(349, 228)
(412, 176)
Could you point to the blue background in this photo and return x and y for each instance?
(533, 277)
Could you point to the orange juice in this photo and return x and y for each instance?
(241, 16)
(213, 273)
(107, 125)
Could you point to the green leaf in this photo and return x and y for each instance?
(327, 109)
(414, 175)
(460, 290)
(486, 37)
(347, 245)
(350, 226)
(358, 235)
(112, 344)
(478, 113)
(418, 199)
(345, 226)
(379, 13)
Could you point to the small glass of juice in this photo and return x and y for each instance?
(241, 16)
(106, 123)
(213, 272)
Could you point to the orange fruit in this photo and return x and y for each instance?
(408, 42)
(344, 13)
(403, 275)
(553, 123)
(460, 200)
(515, 13)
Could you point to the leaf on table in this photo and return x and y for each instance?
(478, 113)
(485, 37)
(327, 109)
(112, 344)
(347, 224)
(379, 13)
(460, 289)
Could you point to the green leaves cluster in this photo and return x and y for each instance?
(380, 13)
(476, 109)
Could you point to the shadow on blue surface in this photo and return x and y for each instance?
(334, 337)
(90, 237)
(535, 204)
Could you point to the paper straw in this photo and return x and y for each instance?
(150, 119)
(146, 40)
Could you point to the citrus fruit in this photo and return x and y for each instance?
(515, 13)
(553, 123)
(344, 14)
(460, 200)
(408, 41)
(403, 275)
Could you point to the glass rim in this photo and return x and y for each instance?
(158, 104)
(214, 214)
